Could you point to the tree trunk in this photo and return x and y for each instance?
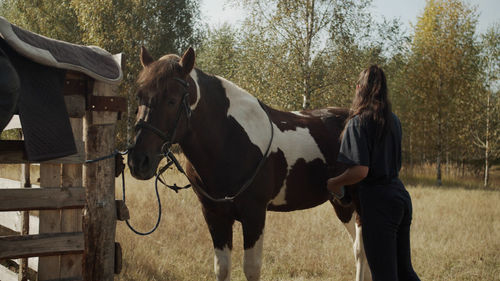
(438, 170)
(487, 145)
(486, 170)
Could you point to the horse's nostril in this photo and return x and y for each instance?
(144, 162)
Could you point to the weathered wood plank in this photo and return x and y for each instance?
(13, 247)
(71, 220)
(12, 152)
(75, 105)
(100, 216)
(118, 258)
(122, 213)
(17, 199)
(5, 231)
(13, 267)
(50, 222)
(25, 182)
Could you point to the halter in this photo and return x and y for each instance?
(168, 139)
(170, 136)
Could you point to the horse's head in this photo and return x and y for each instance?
(164, 96)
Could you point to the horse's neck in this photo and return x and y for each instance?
(220, 137)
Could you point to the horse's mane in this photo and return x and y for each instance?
(155, 73)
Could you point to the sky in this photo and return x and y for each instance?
(217, 12)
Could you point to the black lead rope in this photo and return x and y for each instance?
(159, 208)
(171, 161)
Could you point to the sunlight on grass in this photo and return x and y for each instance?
(455, 236)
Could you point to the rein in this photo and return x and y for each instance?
(172, 160)
(229, 199)
(167, 153)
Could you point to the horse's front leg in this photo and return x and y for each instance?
(221, 230)
(253, 239)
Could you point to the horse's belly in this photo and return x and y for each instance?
(300, 168)
(303, 187)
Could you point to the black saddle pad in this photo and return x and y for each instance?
(44, 118)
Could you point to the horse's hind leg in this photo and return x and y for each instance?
(354, 228)
(221, 230)
(253, 239)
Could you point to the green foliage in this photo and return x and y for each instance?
(298, 54)
(443, 79)
(119, 26)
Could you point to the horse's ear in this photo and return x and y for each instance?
(187, 61)
(146, 58)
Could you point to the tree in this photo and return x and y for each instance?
(219, 52)
(293, 42)
(442, 74)
(119, 26)
(54, 19)
(487, 126)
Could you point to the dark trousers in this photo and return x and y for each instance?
(386, 213)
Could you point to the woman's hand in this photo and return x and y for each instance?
(351, 176)
(335, 188)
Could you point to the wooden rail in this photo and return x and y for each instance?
(12, 247)
(22, 199)
(12, 152)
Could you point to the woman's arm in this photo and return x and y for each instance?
(352, 175)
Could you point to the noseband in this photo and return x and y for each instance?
(169, 137)
(183, 106)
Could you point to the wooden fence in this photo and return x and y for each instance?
(75, 201)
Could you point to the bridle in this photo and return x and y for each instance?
(172, 160)
(183, 106)
(170, 136)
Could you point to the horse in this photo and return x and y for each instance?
(243, 157)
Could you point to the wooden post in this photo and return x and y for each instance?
(25, 222)
(71, 220)
(50, 222)
(99, 219)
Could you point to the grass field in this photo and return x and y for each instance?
(455, 236)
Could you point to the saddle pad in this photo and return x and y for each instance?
(44, 118)
(91, 60)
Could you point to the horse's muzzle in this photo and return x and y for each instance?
(142, 165)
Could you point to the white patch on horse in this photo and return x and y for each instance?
(252, 260)
(295, 144)
(246, 110)
(298, 113)
(194, 76)
(222, 264)
(362, 269)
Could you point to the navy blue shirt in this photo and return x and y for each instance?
(360, 146)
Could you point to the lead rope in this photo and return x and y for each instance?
(118, 157)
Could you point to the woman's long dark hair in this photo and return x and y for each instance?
(371, 101)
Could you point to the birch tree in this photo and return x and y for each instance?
(487, 130)
(443, 64)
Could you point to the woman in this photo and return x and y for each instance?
(371, 146)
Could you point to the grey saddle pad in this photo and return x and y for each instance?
(91, 60)
(41, 64)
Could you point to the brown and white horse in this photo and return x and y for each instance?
(237, 148)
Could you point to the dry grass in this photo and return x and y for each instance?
(455, 236)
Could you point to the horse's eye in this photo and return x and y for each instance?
(136, 110)
(171, 102)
